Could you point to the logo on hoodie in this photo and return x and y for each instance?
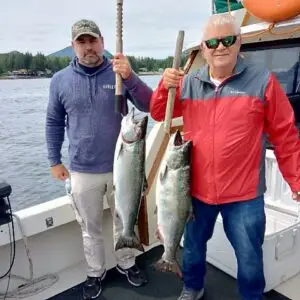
(109, 86)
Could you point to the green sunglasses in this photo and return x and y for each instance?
(226, 41)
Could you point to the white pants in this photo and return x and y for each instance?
(87, 193)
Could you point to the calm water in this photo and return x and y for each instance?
(23, 153)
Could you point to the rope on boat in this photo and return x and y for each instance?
(31, 286)
(269, 30)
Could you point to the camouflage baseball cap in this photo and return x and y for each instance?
(85, 27)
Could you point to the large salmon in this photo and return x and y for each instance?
(173, 200)
(129, 177)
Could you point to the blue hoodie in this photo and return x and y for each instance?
(84, 104)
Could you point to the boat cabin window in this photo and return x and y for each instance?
(283, 59)
(221, 6)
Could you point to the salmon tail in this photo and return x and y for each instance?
(168, 266)
(129, 242)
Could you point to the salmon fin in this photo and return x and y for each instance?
(129, 242)
(168, 266)
(145, 184)
(191, 216)
(159, 235)
(116, 214)
(163, 172)
(120, 150)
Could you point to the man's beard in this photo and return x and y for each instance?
(92, 60)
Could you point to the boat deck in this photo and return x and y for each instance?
(219, 286)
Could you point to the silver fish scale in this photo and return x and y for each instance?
(174, 202)
(129, 179)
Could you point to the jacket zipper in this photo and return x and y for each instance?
(217, 90)
(213, 150)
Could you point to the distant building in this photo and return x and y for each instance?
(143, 70)
(21, 72)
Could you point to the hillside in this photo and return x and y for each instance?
(68, 52)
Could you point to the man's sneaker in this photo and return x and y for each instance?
(189, 294)
(92, 287)
(133, 274)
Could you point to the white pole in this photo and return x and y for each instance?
(212, 7)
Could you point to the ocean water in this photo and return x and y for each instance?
(23, 153)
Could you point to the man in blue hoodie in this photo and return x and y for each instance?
(82, 100)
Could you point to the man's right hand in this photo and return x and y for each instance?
(60, 172)
(171, 77)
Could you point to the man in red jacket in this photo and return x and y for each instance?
(229, 108)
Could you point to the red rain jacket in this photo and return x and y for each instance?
(229, 125)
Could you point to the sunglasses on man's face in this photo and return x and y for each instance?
(226, 41)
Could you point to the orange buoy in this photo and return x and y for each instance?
(273, 10)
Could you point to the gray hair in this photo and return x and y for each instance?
(220, 20)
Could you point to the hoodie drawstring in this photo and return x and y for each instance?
(90, 89)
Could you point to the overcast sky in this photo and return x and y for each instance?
(150, 27)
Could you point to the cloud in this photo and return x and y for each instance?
(150, 27)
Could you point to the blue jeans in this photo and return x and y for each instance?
(244, 225)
